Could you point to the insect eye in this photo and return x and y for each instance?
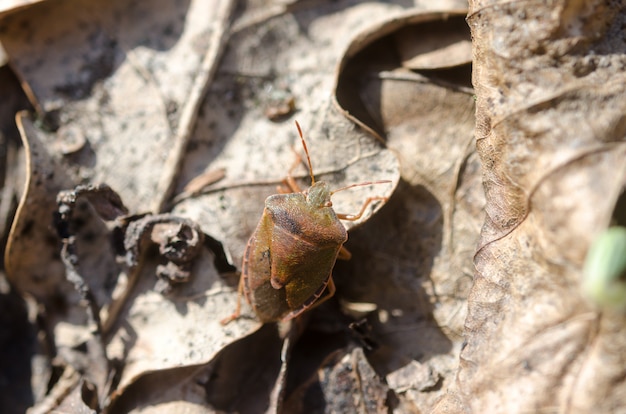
(328, 204)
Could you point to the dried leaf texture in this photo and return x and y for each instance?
(99, 75)
(31, 257)
(413, 261)
(88, 65)
(138, 95)
(550, 86)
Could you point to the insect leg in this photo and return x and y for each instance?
(344, 254)
(288, 186)
(237, 313)
(352, 217)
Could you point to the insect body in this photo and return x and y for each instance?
(289, 258)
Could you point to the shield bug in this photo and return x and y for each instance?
(289, 258)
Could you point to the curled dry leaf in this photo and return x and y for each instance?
(179, 242)
(135, 320)
(383, 50)
(32, 257)
(550, 92)
(238, 379)
(414, 259)
(90, 358)
(12, 160)
(36, 267)
(435, 45)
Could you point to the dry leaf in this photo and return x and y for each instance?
(119, 65)
(105, 84)
(414, 260)
(247, 368)
(32, 254)
(120, 96)
(550, 133)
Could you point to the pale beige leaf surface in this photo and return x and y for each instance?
(550, 133)
(89, 65)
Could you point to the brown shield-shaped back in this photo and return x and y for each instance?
(290, 256)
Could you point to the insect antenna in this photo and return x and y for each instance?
(360, 185)
(306, 151)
